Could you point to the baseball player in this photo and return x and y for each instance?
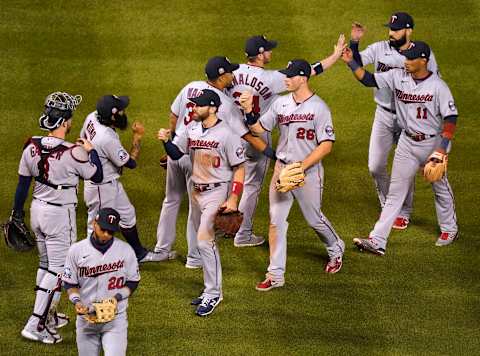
(56, 166)
(219, 76)
(426, 111)
(386, 55)
(99, 268)
(265, 86)
(217, 157)
(99, 127)
(306, 136)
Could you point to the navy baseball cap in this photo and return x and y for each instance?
(297, 67)
(207, 98)
(258, 44)
(108, 219)
(217, 66)
(399, 21)
(107, 102)
(417, 49)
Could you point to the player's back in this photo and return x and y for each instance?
(182, 107)
(264, 84)
(107, 144)
(61, 171)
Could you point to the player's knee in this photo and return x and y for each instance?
(377, 168)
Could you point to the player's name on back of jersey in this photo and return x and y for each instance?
(253, 82)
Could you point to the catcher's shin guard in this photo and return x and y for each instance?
(48, 294)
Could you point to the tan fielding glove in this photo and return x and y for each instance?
(291, 177)
(104, 311)
(436, 167)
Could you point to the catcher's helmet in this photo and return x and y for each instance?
(59, 107)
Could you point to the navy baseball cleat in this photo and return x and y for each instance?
(197, 301)
(207, 306)
(369, 246)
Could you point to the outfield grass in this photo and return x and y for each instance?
(418, 299)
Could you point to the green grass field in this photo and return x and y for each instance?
(418, 299)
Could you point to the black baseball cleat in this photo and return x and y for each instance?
(369, 246)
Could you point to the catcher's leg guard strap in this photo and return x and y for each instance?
(49, 286)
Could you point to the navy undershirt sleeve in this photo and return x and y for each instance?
(131, 163)
(356, 53)
(172, 150)
(22, 192)
(369, 80)
(95, 160)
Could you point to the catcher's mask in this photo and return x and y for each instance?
(59, 107)
(108, 108)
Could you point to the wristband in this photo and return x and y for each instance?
(237, 188)
(317, 67)
(251, 118)
(353, 65)
(74, 298)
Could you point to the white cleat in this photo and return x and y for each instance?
(252, 242)
(153, 256)
(57, 321)
(46, 336)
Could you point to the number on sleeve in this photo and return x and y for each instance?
(189, 117)
(255, 103)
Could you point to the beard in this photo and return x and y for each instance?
(121, 121)
(398, 43)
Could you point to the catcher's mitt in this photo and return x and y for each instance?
(228, 223)
(163, 161)
(291, 177)
(17, 234)
(436, 167)
(104, 311)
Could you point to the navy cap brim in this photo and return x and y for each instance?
(290, 73)
(233, 67)
(124, 101)
(200, 101)
(271, 45)
(393, 27)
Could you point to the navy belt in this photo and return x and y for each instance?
(54, 204)
(205, 187)
(389, 110)
(418, 137)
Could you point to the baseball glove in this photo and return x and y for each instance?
(228, 223)
(104, 311)
(17, 234)
(291, 176)
(163, 161)
(436, 167)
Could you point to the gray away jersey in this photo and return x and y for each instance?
(107, 143)
(302, 127)
(213, 151)
(99, 275)
(420, 107)
(384, 57)
(264, 84)
(64, 168)
(182, 107)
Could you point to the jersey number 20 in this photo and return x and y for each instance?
(115, 283)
